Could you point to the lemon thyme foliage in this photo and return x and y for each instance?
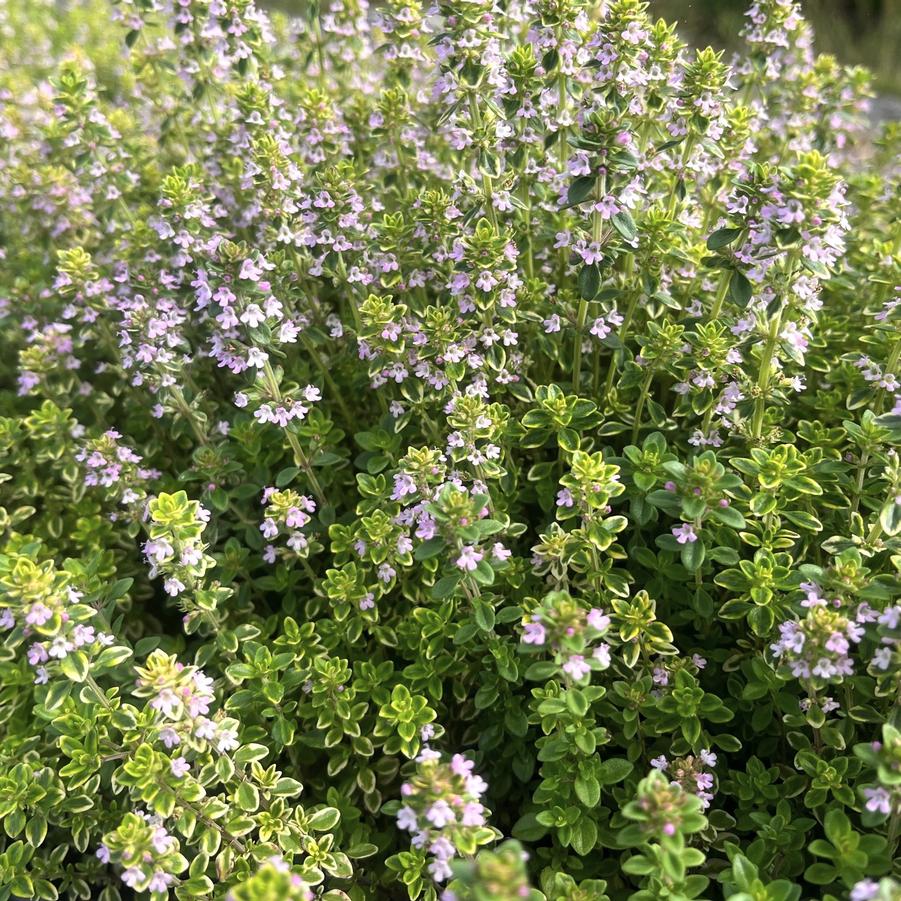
(447, 451)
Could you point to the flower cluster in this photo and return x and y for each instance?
(819, 646)
(42, 610)
(286, 513)
(664, 809)
(181, 697)
(175, 548)
(870, 890)
(572, 634)
(112, 465)
(500, 875)
(148, 854)
(443, 811)
(886, 661)
(690, 774)
(273, 879)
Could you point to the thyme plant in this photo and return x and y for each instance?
(448, 452)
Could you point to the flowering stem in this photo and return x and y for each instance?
(766, 358)
(763, 375)
(894, 827)
(470, 589)
(876, 529)
(300, 458)
(890, 365)
(320, 43)
(305, 565)
(581, 318)
(526, 197)
(623, 333)
(861, 475)
(708, 418)
(327, 376)
(401, 168)
(561, 100)
(487, 189)
(639, 409)
(673, 201)
(721, 290)
(812, 694)
(341, 269)
(187, 413)
(342, 272)
(235, 842)
(597, 225)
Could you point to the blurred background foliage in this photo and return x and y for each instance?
(857, 32)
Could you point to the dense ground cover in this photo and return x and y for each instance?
(447, 453)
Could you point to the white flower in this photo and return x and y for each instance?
(226, 739)
(173, 586)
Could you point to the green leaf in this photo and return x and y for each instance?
(890, 517)
(541, 671)
(483, 614)
(625, 225)
(57, 692)
(576, 701)
(250, 752)
(743, 872)
(722, 237)
(614, 770)
(247, 797)
(589, 281)
(119, 589)
(588, 790)
(483, 574)
(528, 829)
(286, 476)
(817, 268)
(836, 826)
(113, 656)
(287, 787)
(639, 865)
(585, 836)
(740, 289)
(429, 549)
(324, 820)
(568, 439)
(21, 886)
(691, 729)
(219, 499)
(446, 587)
(326, 458)
(761, 620)
(36, 830)
(14, 823)
(580, 189)
(693, 555)
(820, 873)
(729, 516)
(803, 520)
(196, 887)
(75, 666)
